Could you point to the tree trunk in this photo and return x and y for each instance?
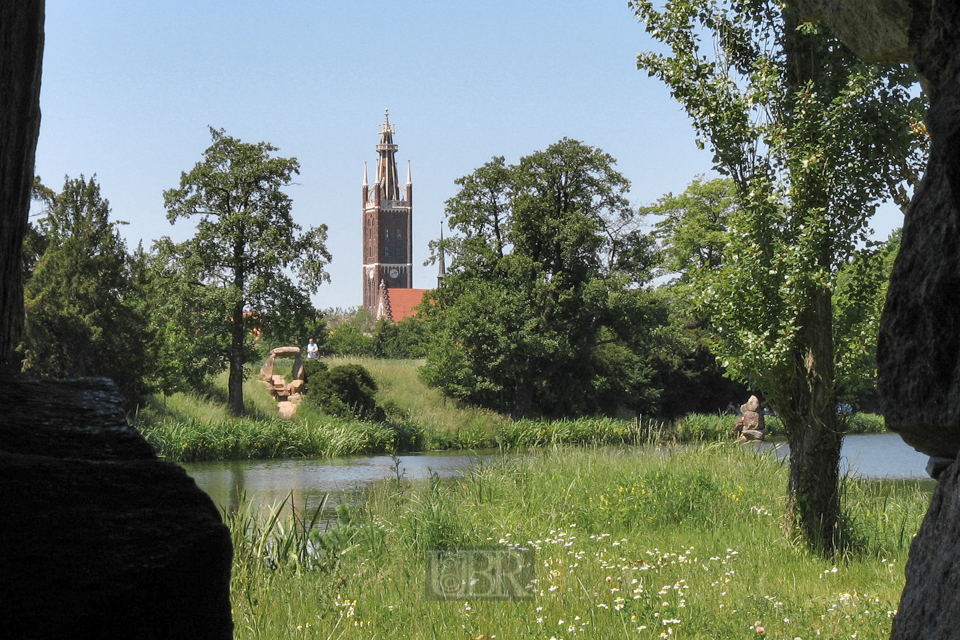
(235, 382)
(21, 57)
(813, 428)
(814, 432)
(523, 395)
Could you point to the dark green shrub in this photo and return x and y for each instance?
(313, 368)
(347, 390)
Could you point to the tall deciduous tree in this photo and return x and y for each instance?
(82, 315)
(861, 289)
(692, 229)
(232, 278)
(544, 282)
(813, 139)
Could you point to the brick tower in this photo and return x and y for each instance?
(387, 224)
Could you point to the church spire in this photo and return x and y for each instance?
(387, 181)
(387, 224)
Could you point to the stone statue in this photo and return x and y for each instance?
(750, 425)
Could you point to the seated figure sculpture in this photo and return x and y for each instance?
(750, 425)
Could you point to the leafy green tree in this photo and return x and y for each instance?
(861, 288)
(692, 229)
(546, 269)
(398, 340)
(348, 339)
(82, 315)
(813, 138)
(691, 232)
(232, 277)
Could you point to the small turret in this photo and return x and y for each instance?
(442, 271)
(366, 185)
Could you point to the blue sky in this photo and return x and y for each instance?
(131, 86)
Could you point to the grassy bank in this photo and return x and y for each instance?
(197, 426)
(628, 545)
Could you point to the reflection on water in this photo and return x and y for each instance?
(307, 481)
(875, 455)
(269, 482)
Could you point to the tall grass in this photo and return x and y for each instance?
(628, 543)
(401, 388)
(198, 426)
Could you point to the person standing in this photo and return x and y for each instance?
(313, 350)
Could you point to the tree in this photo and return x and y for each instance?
(232, 278)
(813, 138)
(692, 229)
(861, 289)
(399, 340)
(81, 302)
(545, 271)
(691, 234)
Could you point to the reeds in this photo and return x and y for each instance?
(676, 542)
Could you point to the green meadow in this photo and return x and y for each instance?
(188, 427)
(628, 543)
(634, 533)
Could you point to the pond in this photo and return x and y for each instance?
(875, 455)
(270, 481)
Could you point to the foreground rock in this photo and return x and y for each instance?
(100, 538)
(930, 605)
(918, 354)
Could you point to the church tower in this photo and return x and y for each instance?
(387, 224)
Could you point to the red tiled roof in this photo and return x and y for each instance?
(403, 301)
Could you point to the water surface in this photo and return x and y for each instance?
(308, 480)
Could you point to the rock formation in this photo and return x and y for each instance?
(288, 395)
(919, 347)
(21, 58)
(101, 538)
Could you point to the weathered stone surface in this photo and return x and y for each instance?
(752, 420)
(930, 605)
(298, 367)
(100, 538)
(21, 60)
(266, 371)
(876, 30)
(68, 419)
(918, 350)
(286, 352)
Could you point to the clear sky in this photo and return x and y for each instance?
(131, 86)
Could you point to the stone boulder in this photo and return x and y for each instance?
(930, 605)
(266, 371)
(918, 350)
(877, 30)
(100, 538)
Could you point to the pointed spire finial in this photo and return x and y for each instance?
(365, 174)
(386, 117)
(409, 179)
(442, 271)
